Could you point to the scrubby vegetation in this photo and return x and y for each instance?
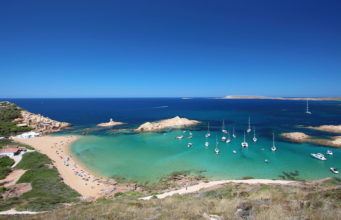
(8, 112)
(5, 166)
(48, 190)
(311, 200)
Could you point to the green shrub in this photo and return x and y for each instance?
(6, 162)
(4, 171)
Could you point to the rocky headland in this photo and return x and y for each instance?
(41, 124)
(175, 122)
(111, 123)
(304, 138)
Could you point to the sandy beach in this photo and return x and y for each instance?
(76, 176)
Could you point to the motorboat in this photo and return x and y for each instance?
(319, 156)
(234, 151)
(329, 152)
(190, 137)
(189, 145)
(266, 161)
(334, 170)
(180, 137)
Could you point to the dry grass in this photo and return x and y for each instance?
(232, 201)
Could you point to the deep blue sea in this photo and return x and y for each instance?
(148, 157)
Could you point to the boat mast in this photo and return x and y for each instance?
(249, 123)
(216, 142)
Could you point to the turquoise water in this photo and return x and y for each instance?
(147, 157)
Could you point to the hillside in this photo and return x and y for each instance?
(307, 200)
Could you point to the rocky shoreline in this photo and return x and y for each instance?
(301, 137)
(41, 124)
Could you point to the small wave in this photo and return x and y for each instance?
(163, 106)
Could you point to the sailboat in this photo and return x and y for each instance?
(223, 138)
(228, 140)
(233, 134)
(254, 135)
(223, 128)
(244, 143)
(307, 110)
(249, 127)
(273, 148)
(207, 144)
(216, 150)
(208, 134)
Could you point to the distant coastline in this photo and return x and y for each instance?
(283, 98)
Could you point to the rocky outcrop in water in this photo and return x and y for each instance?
(303, 138)
(175, 122)
(111, 123)
(41, 124)
(328, 128)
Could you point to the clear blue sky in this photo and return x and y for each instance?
(170, 48)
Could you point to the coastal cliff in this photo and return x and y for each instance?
(175, 122)
(41, 124)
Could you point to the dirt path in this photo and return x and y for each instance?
(196, 188)
(12, 178)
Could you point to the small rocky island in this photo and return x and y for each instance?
(111, 123)
(175, 122)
